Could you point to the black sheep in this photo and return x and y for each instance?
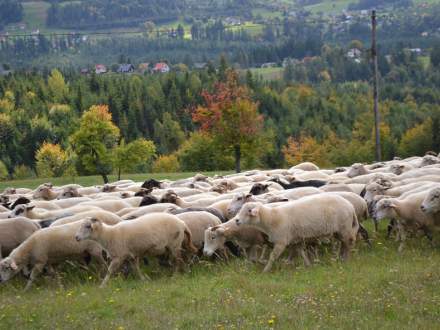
(151, 183)
(259, 188)
(299, 184)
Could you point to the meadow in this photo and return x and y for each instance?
(376, 288)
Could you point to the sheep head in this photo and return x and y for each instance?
(385, 208)
(431, 203)
(88, 229)
(214, 240)
(249, 214)
(8, 268)
(21, 210)
(259, 188)
(169, 197)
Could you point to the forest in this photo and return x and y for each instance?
(104, 14)
(320, 111)
(318, 108)
(189, 38)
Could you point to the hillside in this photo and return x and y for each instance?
(42, 16)
(376, 288)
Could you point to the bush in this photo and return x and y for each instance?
(4, 174)
(166, 164)
(23, 172)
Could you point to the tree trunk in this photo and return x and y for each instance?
(105, 178)
(119, 173)
(237, 154)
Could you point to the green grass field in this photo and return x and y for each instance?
(336, 6)
(97, 180)
(268, 73)
(329, 6)
(376, 288)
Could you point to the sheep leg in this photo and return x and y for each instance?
(364, 234)
(51, 271)
(345, 250)
(274, 255)
(114, 266)
(390, 227)
(315, 252)
(426, 231)
(177, 260)
(376, 225)
(38, 268)
(245, 254)
(263, 254)
(1, 256)
(292, 254)
(402, 236)
(135, 265)
(253, 252)
(224, 253)
(300, 249)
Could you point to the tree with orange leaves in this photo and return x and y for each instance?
(231, 117)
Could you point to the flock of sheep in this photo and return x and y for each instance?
(119, 225)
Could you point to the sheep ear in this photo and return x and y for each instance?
(220, 230)
(265, 186)
(14, 265)
(254, 212)
(94, 220)
(248, 196)
(29, 208)
(392, 205)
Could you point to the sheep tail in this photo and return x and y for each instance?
(355, 221)
(187, 243)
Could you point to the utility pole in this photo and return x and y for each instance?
(375, 85)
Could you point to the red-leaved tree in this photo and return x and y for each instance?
(231, 117)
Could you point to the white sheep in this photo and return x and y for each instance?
(153, 234)
(106, 217)
(29, 211)
(13, 232)
(408, 213)
(431, 203)
(48, 246)
(308, 218)
(306, 166)
(197, 223)
(108, 205)
(250, 240)
(143, 210)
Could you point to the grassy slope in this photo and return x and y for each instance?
(336, 6)
(268, 73)
(330, 6)
(377, 288)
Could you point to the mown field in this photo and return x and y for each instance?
(377, 288)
